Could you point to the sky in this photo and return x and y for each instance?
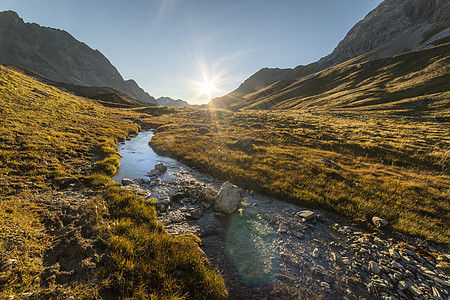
(198, 49)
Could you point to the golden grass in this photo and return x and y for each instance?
(147, 263)
(415, 83)
(393, 167)
(47, 135)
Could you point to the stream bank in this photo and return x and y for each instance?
(273, 249)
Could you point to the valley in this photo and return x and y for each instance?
(329, 180)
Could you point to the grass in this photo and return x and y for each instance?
(393, 167)
(391, 85)
(147, 263)
(50, 136)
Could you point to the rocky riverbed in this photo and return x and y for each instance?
(272, 249)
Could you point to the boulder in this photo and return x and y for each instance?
(160, 167)
(153, 173)
(379, 222)
(208, 194)
(127, 181)
(228, 198)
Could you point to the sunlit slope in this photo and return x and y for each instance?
(393, 167)
(46, 133)
(412, 83)
(50, 139)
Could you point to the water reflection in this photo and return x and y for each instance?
(252, 245)
(138, 157)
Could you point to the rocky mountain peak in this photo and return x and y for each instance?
(394, 24)
(392, 28)
(56, 54)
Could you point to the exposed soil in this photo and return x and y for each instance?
(71, 259)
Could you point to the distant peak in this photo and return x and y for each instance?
(10, 15)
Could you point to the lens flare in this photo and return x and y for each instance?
(252, 245)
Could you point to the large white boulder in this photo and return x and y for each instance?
(228, 198)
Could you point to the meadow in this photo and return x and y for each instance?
(359, 165)
(49, 140)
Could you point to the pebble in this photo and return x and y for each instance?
(315, 253)
(374, 267)
(306, 214)
(396, 265)
(436, 293)
(325, 285)
(379, 222)
(393, 253)
(444, 267)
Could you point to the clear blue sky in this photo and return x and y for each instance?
(171, 46)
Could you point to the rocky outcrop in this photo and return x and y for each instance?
(393, 28)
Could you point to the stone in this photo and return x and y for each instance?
(393, 253)
(436, 293)
(374, 267)
(153, 173)
(402, 285)
(228, 198)
(127, 181)
(219, 215)
(208, 194)
(328, 278)
(160, 167)
(282, 228)
(315, 253)
(371, 288)
(205, 204)
(195, 214)
(444, 267)
(69, 180)
(298, 235)
(396, 265)
(379, 222)
(325, 285)
(306, 214)
(245, 145)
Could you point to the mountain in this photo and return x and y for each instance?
(167, 101)
(393, 28)
(57, 55)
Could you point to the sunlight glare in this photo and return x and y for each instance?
(207, 88)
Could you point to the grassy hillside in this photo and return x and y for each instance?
(414, 83)
(49, 140)
(358, 165)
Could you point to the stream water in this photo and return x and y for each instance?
(271, 249)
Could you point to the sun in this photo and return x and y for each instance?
(207, 88)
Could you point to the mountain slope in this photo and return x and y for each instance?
(387, 84)
(57, 55)
(393, 28)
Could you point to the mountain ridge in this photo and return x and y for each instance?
(393, 27)
(56, 54)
